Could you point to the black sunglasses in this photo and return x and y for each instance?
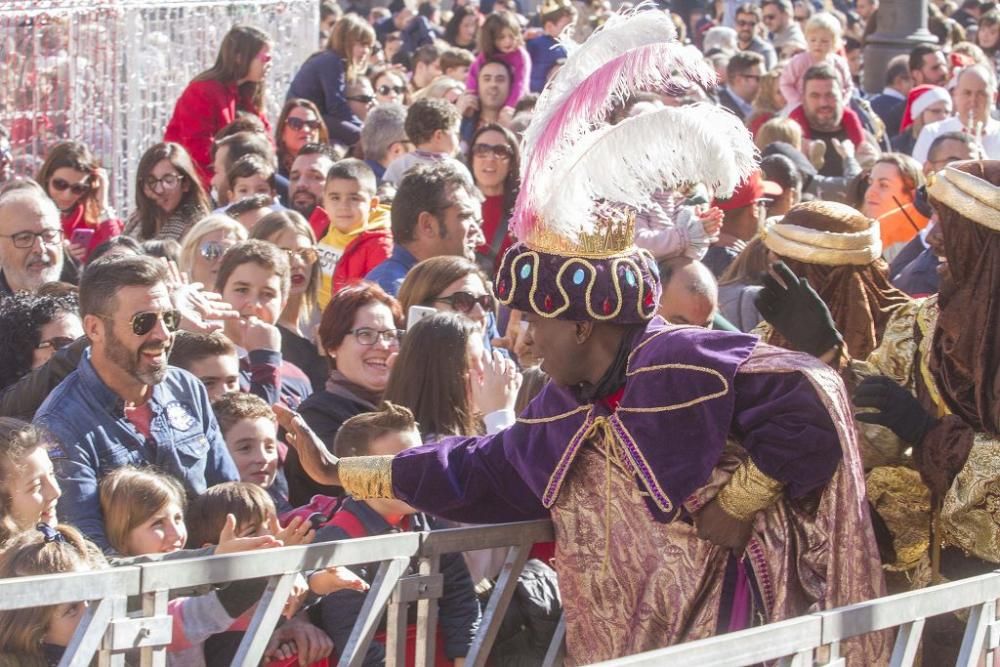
(363, 99)
(80, 188)
(143, 323)
(56, 343)
(299, 123)
(464, 302)
(499, 151)
(386, 89)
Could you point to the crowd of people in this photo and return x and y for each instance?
(294, 308)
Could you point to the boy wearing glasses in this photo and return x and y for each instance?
(359, 237)
(124, 405)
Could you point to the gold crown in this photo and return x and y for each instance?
(549, 6)
(614, 234)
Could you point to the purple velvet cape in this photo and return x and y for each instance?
(683, 397)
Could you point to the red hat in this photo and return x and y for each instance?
(918, 100)
(748, 192)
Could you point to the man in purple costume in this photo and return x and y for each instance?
(698, 481)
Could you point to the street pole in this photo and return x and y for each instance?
(902, 25)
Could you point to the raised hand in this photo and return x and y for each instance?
(794, 309)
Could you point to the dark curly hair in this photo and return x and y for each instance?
(22, 317)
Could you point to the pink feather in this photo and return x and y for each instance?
(656, 67)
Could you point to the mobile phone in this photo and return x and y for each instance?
(417, 313)
(82, 237)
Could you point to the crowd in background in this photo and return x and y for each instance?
(338, 261)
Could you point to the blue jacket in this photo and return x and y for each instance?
(93, 437)
(544, 50)
(390, 273)
(321, 80)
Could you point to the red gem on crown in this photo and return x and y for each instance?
(648, 301)
(548, 302)
(606, 306)
(502, 288)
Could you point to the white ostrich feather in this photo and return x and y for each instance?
(625, 164)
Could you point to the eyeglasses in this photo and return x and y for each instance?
(501, 152)
(264, 57)
(363, 99)
(367, 336)
(386, 89)
(56, 343)
(213, 250)
(464, 302)
(167, 182)
(61, 185)
(299, 123)
(307, 255)
(27, 239)
(143, 323)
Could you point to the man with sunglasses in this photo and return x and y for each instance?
(124, 405)
(748, 17)
(30, 241)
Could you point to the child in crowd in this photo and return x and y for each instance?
(388, 432)
(432, 125)
(254, 278)
(255, 515)
(38, 636)
(143, 515)
(210, 357)
(359, 237)
(500, 39)
(28, 486)
(545, 50)
(251, 175)
(249, 210)
(455, 63)
(250, 429)
(823, 34)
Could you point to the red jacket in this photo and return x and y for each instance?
(204, 108)
(361, 255)
(104, 231)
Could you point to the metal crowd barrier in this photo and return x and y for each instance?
(109, 632)
(815, 639)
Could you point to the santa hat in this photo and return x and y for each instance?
(920, 98)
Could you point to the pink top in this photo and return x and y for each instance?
(519, 63)
(792, 76)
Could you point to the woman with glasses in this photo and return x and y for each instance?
(214, 98)
(494, 160)
(32, 329)
(205, 245)
(323, 77)
(390, 86)
(76, 183)
(361, 328)
(450, 284)
(299, 124)
(169, 197)
(299, 318)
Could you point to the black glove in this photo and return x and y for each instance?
(896, 409)
(796, 312)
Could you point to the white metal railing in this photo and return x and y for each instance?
(797, 642)
(110, 632)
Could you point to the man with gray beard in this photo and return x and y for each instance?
(30, 241)
(123, 405)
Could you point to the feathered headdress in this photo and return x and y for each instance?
(584, 177)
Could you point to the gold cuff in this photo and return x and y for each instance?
(748, 492)
(366, 476)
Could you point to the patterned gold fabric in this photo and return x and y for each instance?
(653, 583)
(366, 476)
(748, 492)
(970, 516)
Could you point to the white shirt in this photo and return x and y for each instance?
(990, 139)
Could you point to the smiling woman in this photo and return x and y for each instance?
(361, 328)
(169, 197)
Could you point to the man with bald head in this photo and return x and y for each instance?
(973, 96)
(30, 241)
(690, 294)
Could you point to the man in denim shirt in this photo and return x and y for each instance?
(123, 405)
